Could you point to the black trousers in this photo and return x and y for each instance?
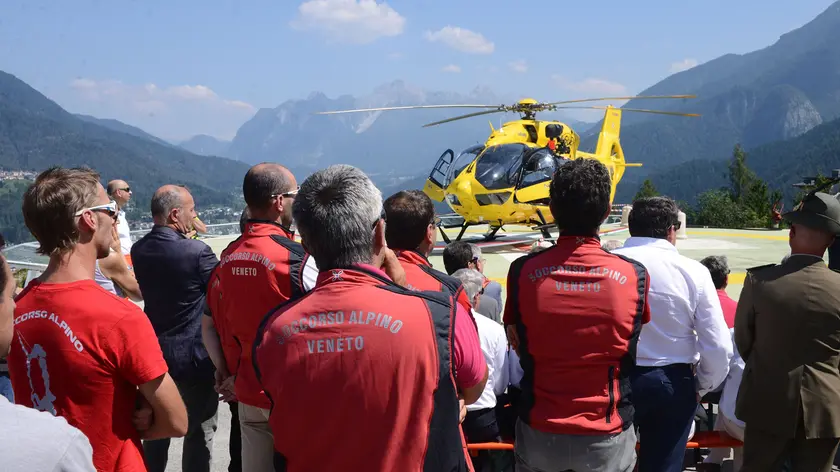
(235, 445)
(834, 255)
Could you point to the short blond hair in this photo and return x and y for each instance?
(50, 205)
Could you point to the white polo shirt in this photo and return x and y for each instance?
(686, 321)
(124, 232)
(493, 341)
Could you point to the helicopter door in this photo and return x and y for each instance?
(436, 182)
(535, 178)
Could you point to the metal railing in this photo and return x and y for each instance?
(23, 256)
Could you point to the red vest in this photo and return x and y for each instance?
(419, 276)
(578, 310)
(214, 297)
(257, 272)
(360, 377)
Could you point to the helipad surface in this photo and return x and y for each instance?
(743, 249)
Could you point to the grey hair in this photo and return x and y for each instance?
(164, 201)
(336, 211)
(718, 267)
(612, 245)
(471, 279)
(476, 251)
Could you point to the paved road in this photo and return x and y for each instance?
(221, 457)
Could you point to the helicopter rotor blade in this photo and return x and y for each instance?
(359, 110)
(637, 110)
(620, 98)
(456, 118)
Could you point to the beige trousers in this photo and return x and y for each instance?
(257, 440)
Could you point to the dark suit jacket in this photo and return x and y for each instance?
(787, 329)
(173, 272)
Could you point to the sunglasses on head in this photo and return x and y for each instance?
(290, 193)
(110, 208)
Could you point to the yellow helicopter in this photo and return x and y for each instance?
(505, 180)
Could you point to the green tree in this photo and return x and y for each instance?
(747, 203)
(740, 176)
(647, 190)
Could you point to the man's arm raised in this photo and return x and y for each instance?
(115, 268)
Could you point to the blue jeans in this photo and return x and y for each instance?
(6, 387)
(665, 400)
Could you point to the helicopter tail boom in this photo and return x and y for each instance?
(610, 130)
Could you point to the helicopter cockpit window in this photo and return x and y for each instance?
(539, 167)
(498, 166)
(462, 161)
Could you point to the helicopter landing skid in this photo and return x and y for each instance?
(489, 236)
(544, 227)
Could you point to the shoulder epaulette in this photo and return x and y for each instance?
(757, 268)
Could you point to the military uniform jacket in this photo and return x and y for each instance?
(787, 329)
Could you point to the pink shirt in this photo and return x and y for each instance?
(729, 306)
(468, 358)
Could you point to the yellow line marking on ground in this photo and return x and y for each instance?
(739, 235)
(737, 278)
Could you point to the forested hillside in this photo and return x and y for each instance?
(775, 93)
(780, 164)
(35, 133)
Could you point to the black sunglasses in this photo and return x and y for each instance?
(127, 189)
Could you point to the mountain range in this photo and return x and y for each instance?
(782, 103)
(36, 133)
(772, 94)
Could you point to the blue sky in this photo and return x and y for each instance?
(182, 67)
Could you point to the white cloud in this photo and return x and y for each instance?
(451, 68)
(519, 66)
(462, 40)
(172, 112)
(361, 22)
(682, 65)
(590, 85)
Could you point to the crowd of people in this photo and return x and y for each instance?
(349, 351)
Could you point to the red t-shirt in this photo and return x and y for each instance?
(256, 274)
(89, 351)
(729, 306)
(355, 365)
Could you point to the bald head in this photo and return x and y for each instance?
(266, 190)
(119, 191)
(172, 204)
